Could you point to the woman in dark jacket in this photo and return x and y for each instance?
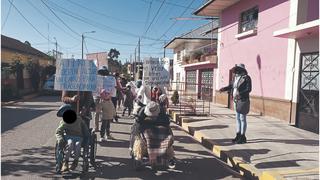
(240, 89)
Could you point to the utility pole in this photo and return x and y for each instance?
(139, 51)
(56, 43)
(164, 49)
(82, 39)
(134, 63)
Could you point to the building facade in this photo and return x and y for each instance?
(278, 41)
(100, 58)
(13, 50)
(194, 61)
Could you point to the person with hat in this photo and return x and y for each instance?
(71, 133)
(108, 113)
(240, 89)
(102, 71)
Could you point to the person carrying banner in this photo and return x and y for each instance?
(86, 103)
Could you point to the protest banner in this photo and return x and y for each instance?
(105, 82)
(75, 75)
(155, 73)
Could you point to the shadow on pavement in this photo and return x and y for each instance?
(305, 142)
(116, 168)
(246, 154)
(192, 130)
(278, 164)
(34, 161)
(14, 117)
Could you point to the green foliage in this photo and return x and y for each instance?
(197, 54)
(113, 54)
(15, 66)
(175, 98)
(34, 71)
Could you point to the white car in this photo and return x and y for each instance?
(49, 83)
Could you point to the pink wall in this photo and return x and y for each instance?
(101, 57)
(313, 10)
(261, 50)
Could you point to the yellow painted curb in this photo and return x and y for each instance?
(279, 175)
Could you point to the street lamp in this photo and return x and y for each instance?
(82, 39)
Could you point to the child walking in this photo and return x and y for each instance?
(108, 113)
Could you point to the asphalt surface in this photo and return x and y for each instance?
(27, 132)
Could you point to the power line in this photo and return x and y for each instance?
(59, 27)
(102, 14)
(172, 4)
(28, 21)
(5, 20)
(164, 34)
(95, 24)
(60, 18)
(155, 16)
(148, 14)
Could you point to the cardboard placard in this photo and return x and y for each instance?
(75, 75)
(155, 72)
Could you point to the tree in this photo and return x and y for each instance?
(34, 72)
(113, 54)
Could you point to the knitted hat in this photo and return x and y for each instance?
(63, 109)
(152, 109)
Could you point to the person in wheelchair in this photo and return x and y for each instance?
(71, 134)
(151, 134)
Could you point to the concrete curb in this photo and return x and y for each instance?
(245, 169)
(24, 98)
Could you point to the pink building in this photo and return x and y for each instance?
(101, 58)
(278, 41)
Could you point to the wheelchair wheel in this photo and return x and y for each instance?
(59, 155)
(85, 165)
(136, 164)
(93, 148)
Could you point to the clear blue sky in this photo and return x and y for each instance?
(119, 23)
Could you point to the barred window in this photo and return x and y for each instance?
(249, 20)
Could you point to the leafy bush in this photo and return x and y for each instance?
(175, 98)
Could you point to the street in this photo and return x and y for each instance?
(28, 149)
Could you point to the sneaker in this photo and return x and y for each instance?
(110, 137)
(103, 139)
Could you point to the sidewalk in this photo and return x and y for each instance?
(23, 98)
(274, 149)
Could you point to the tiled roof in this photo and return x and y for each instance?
(16, 45)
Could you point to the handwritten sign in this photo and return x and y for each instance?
(155, 73)
(75, 75)
(105, 82)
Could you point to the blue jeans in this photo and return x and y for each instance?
(73, 144)
(241, 123)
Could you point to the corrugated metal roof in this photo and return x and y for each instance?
(203, 32)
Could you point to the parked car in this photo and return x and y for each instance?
(48, 87)
(49, 83)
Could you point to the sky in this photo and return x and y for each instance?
(117, 24)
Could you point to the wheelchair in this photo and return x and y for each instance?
(88, 152)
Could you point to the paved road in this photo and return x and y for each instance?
(27, 134)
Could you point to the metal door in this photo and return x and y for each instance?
(308, 103)
(205, 85)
